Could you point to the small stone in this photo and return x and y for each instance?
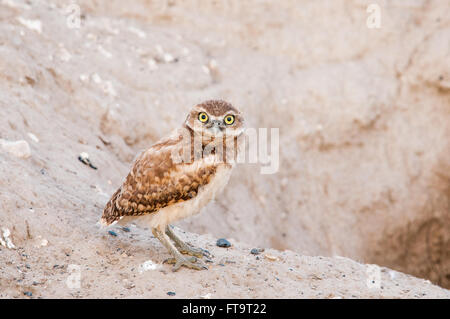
(35, 25)
(222, 242)
(148, 265)
(20, 149)
(256, 251)
(33, 137)
(130, 285)
(112, 233)
(271, 257)
(126, 229)
(5, 240)
(171, 293)
(28, 293)
(168, 58)
(84, 158)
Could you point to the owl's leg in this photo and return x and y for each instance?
(178, 259)
(186, 248)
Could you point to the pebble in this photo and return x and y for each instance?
(33, 137)
(84, 158)
(20, 149)
(6, 240)
(112, 233)
(35, 25)
(271, 257)
(256, 251)
(148, 265)
(222, 242)
(168, 58)
(28, 293)
(171, 293)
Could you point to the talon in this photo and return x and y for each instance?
(197, 252)
(191, 262)
(169, 261)
(173, 261)
(206, 253)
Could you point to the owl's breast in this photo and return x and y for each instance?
(218, 182)
(184, 209)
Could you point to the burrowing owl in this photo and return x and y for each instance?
(178, 176)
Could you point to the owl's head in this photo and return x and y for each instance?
(215, 118)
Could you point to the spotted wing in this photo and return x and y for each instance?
(156, 181)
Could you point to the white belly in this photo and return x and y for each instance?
(185, 209)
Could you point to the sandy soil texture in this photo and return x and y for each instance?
(130, 265)
(364, 119)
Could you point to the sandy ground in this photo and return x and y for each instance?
(130, 266)
(364, 124)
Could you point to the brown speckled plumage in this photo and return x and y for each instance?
(178, 176)
(156, 181)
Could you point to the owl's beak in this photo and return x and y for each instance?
(216, 127)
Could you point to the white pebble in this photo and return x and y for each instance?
(84, 77)
(33, 137)
(7, 241)
(168, 58)
(148, 265)
(19, 149)
(35, 25)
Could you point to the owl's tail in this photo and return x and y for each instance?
(110, 216)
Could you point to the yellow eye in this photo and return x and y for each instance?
(203, 117)
(229, 119)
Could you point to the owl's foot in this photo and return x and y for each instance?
(193, 251)
(191, 262)
(178, 259)
(185, 248)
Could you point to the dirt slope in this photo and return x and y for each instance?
(364, 133)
